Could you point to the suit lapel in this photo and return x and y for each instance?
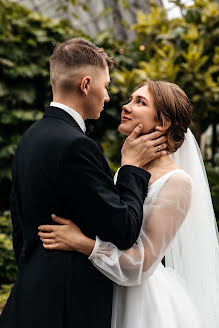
(62, 115)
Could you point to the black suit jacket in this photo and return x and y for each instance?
(58, 169)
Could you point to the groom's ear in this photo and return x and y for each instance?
(85, 84)
(163, 126)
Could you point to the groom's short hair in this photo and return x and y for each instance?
(76, 53)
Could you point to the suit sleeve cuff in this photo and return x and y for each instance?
(127, 169)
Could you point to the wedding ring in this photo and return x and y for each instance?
(159, 149)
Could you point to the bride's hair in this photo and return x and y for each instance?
(173, 105)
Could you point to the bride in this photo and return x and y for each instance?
(178, 226)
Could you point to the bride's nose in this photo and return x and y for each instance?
(126, 108)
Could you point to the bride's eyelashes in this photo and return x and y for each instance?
(140, 101)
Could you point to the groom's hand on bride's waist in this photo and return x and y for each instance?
(140, 150)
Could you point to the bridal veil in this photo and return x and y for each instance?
(194, 252)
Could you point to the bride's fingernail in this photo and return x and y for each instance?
(53, 216)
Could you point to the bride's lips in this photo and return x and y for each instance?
(125, 119)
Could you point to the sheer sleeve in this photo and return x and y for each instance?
(162, 218)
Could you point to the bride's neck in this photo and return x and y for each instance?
(162, 163)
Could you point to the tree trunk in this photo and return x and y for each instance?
(196, 130)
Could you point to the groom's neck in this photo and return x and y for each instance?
(74, 104)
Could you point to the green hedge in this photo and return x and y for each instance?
(213, 178)
(8, 267)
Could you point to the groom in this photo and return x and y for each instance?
(58, 169)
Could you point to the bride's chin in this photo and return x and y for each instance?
(123, 130)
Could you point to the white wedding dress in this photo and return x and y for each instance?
(178, 224)
(154, 296)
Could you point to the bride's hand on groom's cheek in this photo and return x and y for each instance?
(64, 236)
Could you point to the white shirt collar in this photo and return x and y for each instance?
(77, 117)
